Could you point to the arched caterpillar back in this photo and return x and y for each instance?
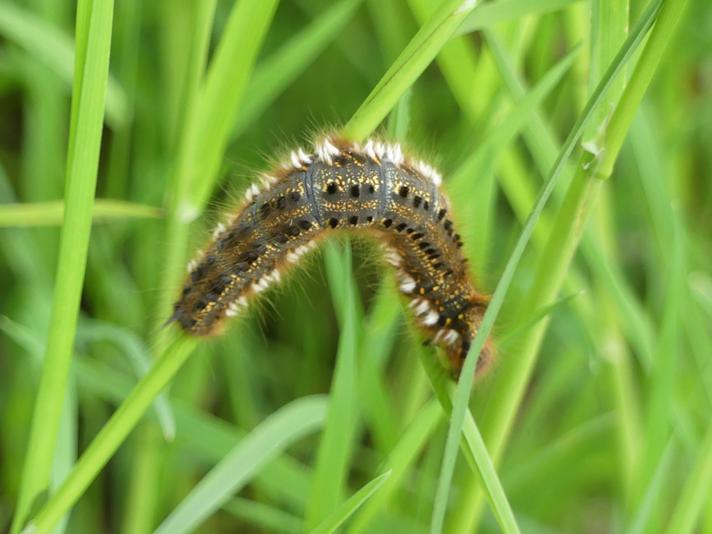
(341, 185)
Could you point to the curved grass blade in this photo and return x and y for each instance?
(265, 442)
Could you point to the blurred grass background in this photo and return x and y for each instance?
(301, 406)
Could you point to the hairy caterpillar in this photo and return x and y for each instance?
(371, 188)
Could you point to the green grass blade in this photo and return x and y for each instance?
(399, 462)
(349, 506)
(335, 446)
(487, 15)
(652, 493)
(264, 443)
(263, 517)
(475, 453)
(139, 360)
(79, 197)
(54, 49)
(51, 213)
(464, 386)
(696, 492)
(640, 80)
(111, 436)
(220, 98)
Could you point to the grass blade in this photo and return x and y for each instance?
(421, 50)
(348, 507)
(51, 213)
(399, 461)
(83, 157)
(220, 98)
(464, 387)
(332, 459)
(487, 15)
(696, 491)
(264, 443)
(111, 436)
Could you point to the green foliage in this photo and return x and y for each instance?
(560, 125)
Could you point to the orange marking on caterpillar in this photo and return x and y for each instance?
(341, 185)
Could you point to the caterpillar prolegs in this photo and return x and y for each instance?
(340, 185)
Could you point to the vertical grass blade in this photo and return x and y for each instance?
(464, 385)
(83, 158)
(335, 446)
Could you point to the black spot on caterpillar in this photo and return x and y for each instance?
(372, 188)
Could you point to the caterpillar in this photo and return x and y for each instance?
(372, 188)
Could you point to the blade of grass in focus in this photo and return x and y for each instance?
(91, 75)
